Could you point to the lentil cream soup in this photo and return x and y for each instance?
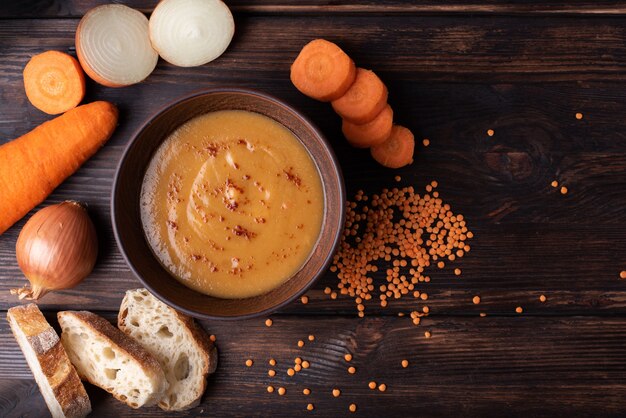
(232, 204)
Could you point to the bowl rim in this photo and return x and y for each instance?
(303, 119)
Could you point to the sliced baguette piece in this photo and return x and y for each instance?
(58, 381)
(110, 359)
(183, 348)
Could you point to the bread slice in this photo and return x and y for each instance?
(110, 359)
(58, 381)
(184, 350)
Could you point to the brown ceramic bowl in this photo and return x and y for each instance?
(126, 218)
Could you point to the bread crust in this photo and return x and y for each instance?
(56, 368)
(198, 336)
(123, 342)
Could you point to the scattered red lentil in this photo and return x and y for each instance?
(402, 233)
(490, 132)
(622, 274)
(304, 299)
(212, 337)
(352, 407)
(336, 392)
(519, 309)
(476, 300)
(457, 272)
(372, 385)
(268, 322)
(270, 389)
(311, 337)
(397, 178)
(483, 314)
(382, 387)
(542, 298)
(297, 367)
(579, 116)
(405, 363)
(306, 391)
(297, 360)
(351, 370)
(291, 371)
(554, 184)
(426, 142)
(427, 334)
(563, 190)
(348, 357)
(327, 289)
(310, 407)
(249, 363)
(272, 362)
(281, 391)
(300, 343)
(271, 373)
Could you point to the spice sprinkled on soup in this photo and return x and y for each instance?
(232, 204)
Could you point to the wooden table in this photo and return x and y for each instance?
(454, 69)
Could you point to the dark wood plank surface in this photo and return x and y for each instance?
(77, 8)
(469, 367)
(454, 69)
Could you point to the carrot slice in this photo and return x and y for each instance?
(364, 100)
(323, 71)
(371, 133)
(397, 150)
(54, 82)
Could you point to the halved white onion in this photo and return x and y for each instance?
(113, 45)
(188, 33)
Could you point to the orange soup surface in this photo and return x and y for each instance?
(232, 204)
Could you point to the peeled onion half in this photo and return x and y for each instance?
(188, 33)
(113, 45)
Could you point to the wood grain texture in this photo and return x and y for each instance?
(459, 48)
(454, 68)
(526, 366)
(577, 268)
(77, 8)
(529, 238)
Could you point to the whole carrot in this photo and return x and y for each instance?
(33, 165)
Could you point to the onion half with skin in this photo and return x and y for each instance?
(113, 45)
(188, 33)
(56, 249)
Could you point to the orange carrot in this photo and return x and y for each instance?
(33, 165)
(364, 100)
(54, 82)
(371, 133)
(397, 150)
(323, 71)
